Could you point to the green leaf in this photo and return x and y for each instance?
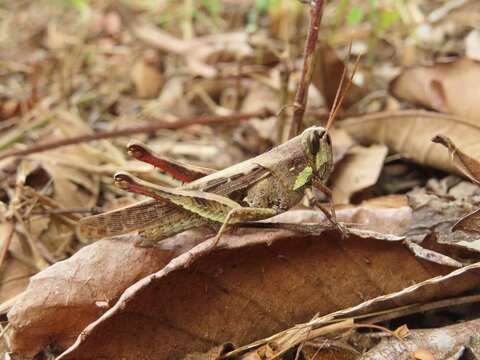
(355, 16)
(387, 19)
(213, 6)
(262, 5)
(303, 178)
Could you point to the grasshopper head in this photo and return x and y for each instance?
(317, 148)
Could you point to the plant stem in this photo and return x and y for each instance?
(309, 59)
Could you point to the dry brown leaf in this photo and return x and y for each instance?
(447, 87)
(328, 74)
(472, 45)
(38, 304)
(410, 133)
(359, 170)
(239, 265)
(9, 108)
(394, 220)
(60, 301)
(388, 201)
(200, 53)
(14, 276)
(109, 22)
(439, 344)
(470, 223)
(342, 142)
(469, 166)
(147, 78)
(248, 290)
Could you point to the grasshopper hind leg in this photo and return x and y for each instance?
(154, 234)
(183, 172)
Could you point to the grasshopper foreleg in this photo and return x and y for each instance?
(330, 215)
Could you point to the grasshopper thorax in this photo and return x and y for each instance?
(317, 148)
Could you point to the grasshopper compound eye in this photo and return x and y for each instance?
(314, 142)
(314, 139)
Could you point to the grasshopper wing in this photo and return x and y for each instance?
(138, 216)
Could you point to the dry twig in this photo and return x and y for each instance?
(140, 129)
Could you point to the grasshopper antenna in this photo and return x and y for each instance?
(340, 96)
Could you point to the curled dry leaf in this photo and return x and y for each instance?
(431, 225)
(447, 87)
(470, 167)
(38, 304)
(470, 223)
(359, 170)
(371, 311)
(410, 133)
(440, 343)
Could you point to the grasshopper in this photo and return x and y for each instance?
(255, 189)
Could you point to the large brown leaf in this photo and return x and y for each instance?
(325, 272)
(410, 133)
(244, 293)
(447, 87)
(248, 290)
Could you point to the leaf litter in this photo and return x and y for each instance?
(74, 72)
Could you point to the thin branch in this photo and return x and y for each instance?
(309, 59)
(7, 238)
(140, 129)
